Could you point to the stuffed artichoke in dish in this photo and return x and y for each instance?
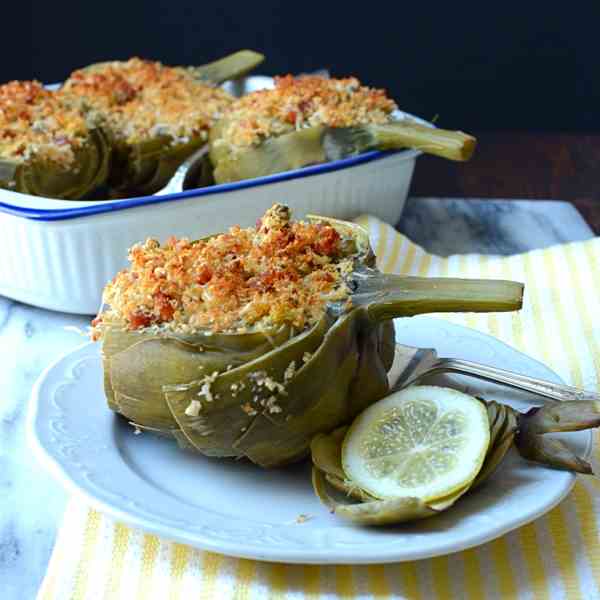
(48, 147)
(154, 115)
(250, 342)
(310, 120)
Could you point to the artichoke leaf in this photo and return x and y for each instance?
(326, 452)
(370, 382)
(497, 427)
(326, 456)
(237, 393)
(351, 491)
(493, 412)
(387, 344)
(374, 512)
(338, 342)
(48, 179)
(146, 412)
(274, 155)
(566, 416)
(146, 167)
(289, 440)
(139, 372)
(138, 364)
(8, 172)
(551, 452)
(533, 444)
(114, 341)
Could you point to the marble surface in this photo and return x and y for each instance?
(32, 503)
(455, 226)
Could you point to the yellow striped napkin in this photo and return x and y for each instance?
(558, 556)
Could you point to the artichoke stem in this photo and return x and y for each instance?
(550, 452)
(454, 145)
(230, 67)
(567, 416)
(391, 296)
(533, 445)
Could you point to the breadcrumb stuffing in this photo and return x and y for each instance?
(36, 123)
(193, 409)
(206, 382)
(271, 405)
(296, 103)
(279, 272)
(140, 100)
(290, 371)
(249, 409)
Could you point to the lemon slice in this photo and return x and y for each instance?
(425, 442)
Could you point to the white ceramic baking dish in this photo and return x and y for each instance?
(59, 254)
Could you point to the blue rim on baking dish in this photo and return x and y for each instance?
(102, 206)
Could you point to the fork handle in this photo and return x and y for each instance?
(547, 389)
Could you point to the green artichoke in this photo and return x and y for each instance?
(47, 146)
(312, 120)
(265, 394)
(321, 144)
(508, 427)
(153, 115)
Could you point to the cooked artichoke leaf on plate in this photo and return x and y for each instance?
(252, 341)
(312, 120)
(48, 147)
(417, 451)
(155, 116)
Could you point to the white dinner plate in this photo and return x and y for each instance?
(238, 509)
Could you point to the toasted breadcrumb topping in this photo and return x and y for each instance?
(140, 100)
(301, 102)
(279, 272)
(36, 123)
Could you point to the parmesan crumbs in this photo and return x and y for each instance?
(36, 123)
(140, 100)
(296, 103)
(278, 273)
(193, 409)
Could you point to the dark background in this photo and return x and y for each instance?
(487, 66)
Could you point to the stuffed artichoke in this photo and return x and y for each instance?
(394, 460)
(48, 147)
(155, 116)
(309, 120)
(248, 343)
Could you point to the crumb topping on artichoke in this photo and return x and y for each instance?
(301, 102)
(36, 123)
(141, 99)
(279, 272)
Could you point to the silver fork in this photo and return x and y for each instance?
(412, 364)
